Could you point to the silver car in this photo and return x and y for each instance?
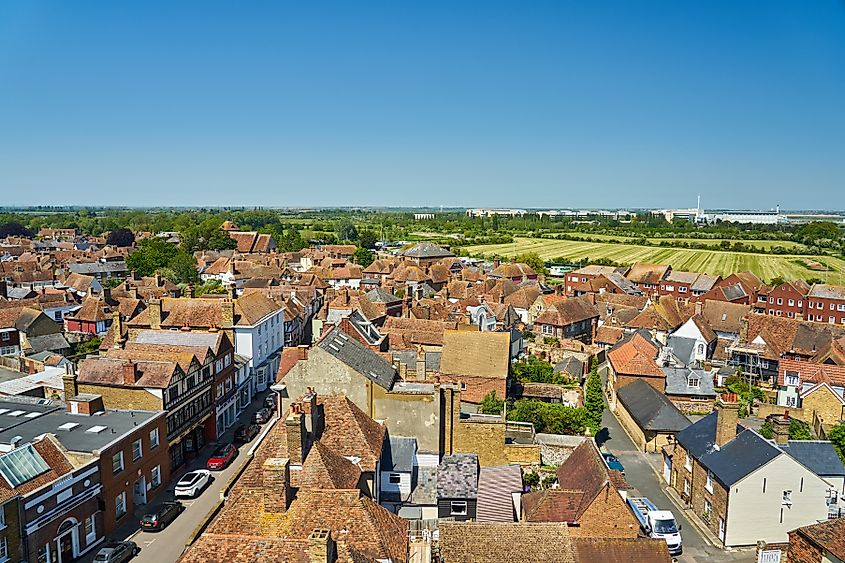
(117, 552)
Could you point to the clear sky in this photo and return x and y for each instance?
(488, 103)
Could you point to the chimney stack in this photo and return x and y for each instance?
(69, 384)
(727, 416)
(158, 279)
(4, 291)
(275, 477)
(130, 373)
(296, 433)
(698, 307)
(780, 428)
(106, 295)
(227, 314)
(321, 547)
(117, 324)
(190, 291)
(155, 314)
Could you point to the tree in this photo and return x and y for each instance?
(121, 237)
(346, 231)
(14, 229)
(776, 281)
(594, 398)
(798, 430)
(534, 370)
(363, 257)
(368, 240)
(548, 417)
(491, 404)
(836, 435)
(533, 260)
(157, 255)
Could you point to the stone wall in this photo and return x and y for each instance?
(525, 455)
(688, 406)
(123, 397)
(483, 437)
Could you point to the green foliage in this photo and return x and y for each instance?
(368, 239)
(594, 398)
(362, 257)
(13, 228)
(548, 481)
(776, 281)
(206, 235)
(157, 255)
(86, 346)
(346, 231)
(291, 241)
(210, 287)
(549, 340)
(491, 404)
(745, 395)
(531, 479)
(533, 260)
(534, 370)
(549, 417)
(527, 334)
(798, 430)
(837, 438)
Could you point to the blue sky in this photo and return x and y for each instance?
(489, 103)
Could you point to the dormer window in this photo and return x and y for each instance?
(693, 381)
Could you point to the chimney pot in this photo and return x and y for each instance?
(130, 372)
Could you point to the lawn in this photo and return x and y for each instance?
(721, 263)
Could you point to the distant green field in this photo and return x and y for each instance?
(721, 263)
(714, 242)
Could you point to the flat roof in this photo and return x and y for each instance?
(76, 432)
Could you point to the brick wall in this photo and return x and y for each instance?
(825, 404)
(123, 397)
(607, 517)
(475, 387)
(12, 531)
(523, 454)
(718, 499)
(658, 383)
(485, 438)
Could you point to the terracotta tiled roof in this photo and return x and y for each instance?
(635, 357)
(476, 353)
(523, 298)
(642, 272)
(350, 432)
(324, 469)
(621, 550)
(829, 536)
(476, 542)
(109, 371)
(569, 311)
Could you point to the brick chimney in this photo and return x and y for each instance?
(155, 314)
(296, 435)
(321, 548)
(69, 383)
(106, 295)
(780, 428)
(312, 419)
(698, 307)
(130, 373)
(727, 416)
(86, 403)
(133, 292)
(189, 291)
(157, 277)
(275, 481)
(227, 314)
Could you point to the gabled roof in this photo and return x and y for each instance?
(496, 486)
(819, 456)
(650, 408)
(357, 356)
(677, 382)
(635, 355)
(427, 250)
(324, 469)
(642, 272)
(570, 311)
(350, 432)
(828, 536)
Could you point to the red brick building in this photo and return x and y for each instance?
(826, 304)
(788, 299)
(577, 282)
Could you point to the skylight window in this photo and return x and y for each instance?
(68, 426)
(17, 413)
(21, 465)
(32, 415)
(4, 411)
(96, 429)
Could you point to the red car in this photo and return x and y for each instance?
(222, 457)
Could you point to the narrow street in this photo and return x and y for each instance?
(167, 545)
(640, 473)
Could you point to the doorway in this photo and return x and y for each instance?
(140, 493)
(67, 541)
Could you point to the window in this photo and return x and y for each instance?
(787, 498)
(117, 463)
(4, 549)
(5, 337)
(682, 289)
(120, 505)
(218, 365)
(686, 487)
(153, 438)
(780, 301)
(688, 464)
(693, 381)
(791, 402)
(708, 510)
(708, 486)
(791, 378)
(155, 476)
(227, 361)
(458, 508)
(90, 529)
(771, 299)
(840, 307)
(791, 302)
(800, 303)
(721, 528)
(463, 386)
(394, 478)
(2, 519)
(137, 450)
(547, 329)
(831, 320)
(43, 553)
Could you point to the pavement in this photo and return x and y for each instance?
(642, 473)
(168, 545)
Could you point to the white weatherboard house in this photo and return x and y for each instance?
(259, 337)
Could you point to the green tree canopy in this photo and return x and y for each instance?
(157, 255)
(533, 260)
(491, 404)
(594, 398)
(362, 257)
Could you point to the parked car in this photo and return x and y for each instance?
(246, 432)
(222, 457)
(270, 402)
(117, 552)
(261, 416)
(159, 517)
(613, 462)
(192, 483)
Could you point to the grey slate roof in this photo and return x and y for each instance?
(48, 343)
(816, 455)
(90, 268)
(570, 365)
(825, 291)
(358, 357)
(744, 454)
(427, 250)
(704, 282)
(398, 454)
(682, 348)
(734, 292)
(457, 476)
(624, 283)
(677, 382)
(178, 338)
(379, 295)
(650, 408)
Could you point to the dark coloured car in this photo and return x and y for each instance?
(159, 517)
(246, 432)
(222, 457)
(261, 416)
(117, 552)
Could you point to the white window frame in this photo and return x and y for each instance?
(117, 467)
(458, 512)
(155, 476)
(154, 438)
(137, 449)
(787, 498)
(687, 486)
(90, 522)
(4, 549)
(708, 486)
(688, 464)
(120, 504)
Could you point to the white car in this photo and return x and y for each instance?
(192, 483)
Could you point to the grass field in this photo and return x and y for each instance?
(713, 242)
(767, 266)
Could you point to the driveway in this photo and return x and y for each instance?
(640, 474)
(167, 545)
